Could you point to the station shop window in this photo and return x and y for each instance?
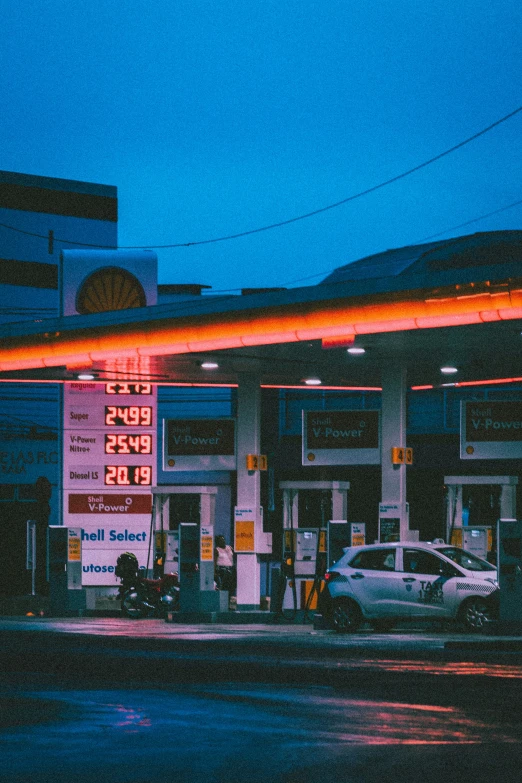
(184, 507)
(7, 492)
(26, 492)
(425, 411)
(21, 492)
(315, 507)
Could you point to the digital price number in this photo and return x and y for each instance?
(128, 388)
(128, 415)
(128, 444)
(128, 475)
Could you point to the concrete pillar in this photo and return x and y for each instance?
(508, 499)
(393, 433)
(339, 504)
(249, 487)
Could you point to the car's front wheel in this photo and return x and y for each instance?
(477, 614)
(346, 615)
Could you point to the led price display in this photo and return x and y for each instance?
(128, 443)
(128, 475)
(128, 388)
(128, 415)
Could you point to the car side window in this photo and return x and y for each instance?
(375, 560)
(416, 561)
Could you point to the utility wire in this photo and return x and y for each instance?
(298, 217)
(468, 222)
(317, 274)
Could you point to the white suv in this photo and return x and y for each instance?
(385, 583)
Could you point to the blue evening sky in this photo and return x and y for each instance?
(214, 118)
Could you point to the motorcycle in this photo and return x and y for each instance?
(141, 597)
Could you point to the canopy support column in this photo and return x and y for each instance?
(393, 434)
(249, 489)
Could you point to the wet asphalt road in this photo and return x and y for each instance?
(104, 701)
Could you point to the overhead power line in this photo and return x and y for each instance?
(288, 221)
(469, 222)
(419, 241)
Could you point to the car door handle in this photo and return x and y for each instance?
(408, 579)
(357, 576)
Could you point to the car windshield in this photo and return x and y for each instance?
(465, 559)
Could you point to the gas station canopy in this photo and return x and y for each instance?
(452, 303)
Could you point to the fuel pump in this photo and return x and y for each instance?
(172, 552)
(301, 555)
(337, 537)
(321, 560)
(509, 566)
(288, 569)
(64, 563)
(307, 507)
(196, 570)
(473, 506)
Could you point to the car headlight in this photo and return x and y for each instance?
(493, 581)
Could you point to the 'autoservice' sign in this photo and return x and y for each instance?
(491, 430)
(341, 437)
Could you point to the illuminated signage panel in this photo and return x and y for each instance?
(491, 429)
(199, 444)
(341, 438)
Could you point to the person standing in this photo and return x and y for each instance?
(224, 571)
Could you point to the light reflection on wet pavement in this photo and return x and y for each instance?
(255, 704)
(446, 668)
(254, 733)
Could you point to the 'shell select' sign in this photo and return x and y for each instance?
(199, 444)
(490, 430)
(341, 437)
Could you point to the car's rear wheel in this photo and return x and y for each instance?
(346, 615)
(383, 626)
(477, 614)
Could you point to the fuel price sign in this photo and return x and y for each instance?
(128, 475)
(128, 443)
(109, 448)
(128, 415)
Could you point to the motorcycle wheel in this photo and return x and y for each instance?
(132, 605)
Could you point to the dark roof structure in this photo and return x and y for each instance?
(482, 249)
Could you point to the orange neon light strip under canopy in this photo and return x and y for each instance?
(292, 323)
